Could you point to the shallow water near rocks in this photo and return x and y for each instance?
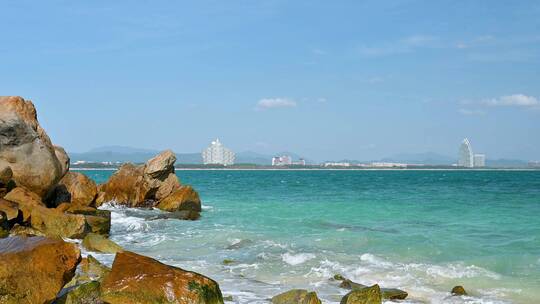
(421, 231)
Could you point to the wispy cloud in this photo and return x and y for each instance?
(403, 45)
(273, 103)
(515, 100)
(509, 101)
(470, 112)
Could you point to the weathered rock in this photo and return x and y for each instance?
(13, 214)
(26, 201)
(63, 158)
(90, 269)
(160, 166)
(26, 148)
(18, 230)
(185, 198)
(57, 224)
(85, 293)
(296, 296)
(126, 186)
(5, 174)
(4, 225)
(144, 185)
(99, 221)
(75, 188)
(168, 186)
(139, 279)
(228, 298)
(34, 269)
(458, 291)
(387, 293)
(99, 243)
(23, 196)
(368, 295)
(94, 269)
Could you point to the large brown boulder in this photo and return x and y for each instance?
(296, 296)
(53, 223)
(142, 185)
(160, 166)
(75, 188)
(126, 186)
(26, 148)
(168, 186)
(138, 279)
(34, 269)
(185, 198)
(63, 158)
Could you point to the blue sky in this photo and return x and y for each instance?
(326, 79)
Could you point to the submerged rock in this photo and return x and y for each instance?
(387, 293)
(138, 279)
(99, 243)
(239, 244)
(368, 295)
(185, 198)
(26, 148)
(296, 296)
(34, 269)
(75, 188)
(458, 291)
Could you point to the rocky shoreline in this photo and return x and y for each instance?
(44, 206)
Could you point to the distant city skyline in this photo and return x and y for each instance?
(355, 80)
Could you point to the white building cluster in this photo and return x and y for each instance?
(217, 154)
(467, 158)
(286, 160)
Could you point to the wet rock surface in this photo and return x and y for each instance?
(34, 269)
(138, 279)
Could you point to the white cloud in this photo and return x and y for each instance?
(272, 103)
(516, 100)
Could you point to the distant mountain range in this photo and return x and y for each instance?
(138, 155)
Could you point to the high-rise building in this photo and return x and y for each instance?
(217, 154)
(466, 158)
(479, 160)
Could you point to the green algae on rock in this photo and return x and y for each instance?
(296, 296)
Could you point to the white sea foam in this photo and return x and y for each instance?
(297, 259)
(207, 207)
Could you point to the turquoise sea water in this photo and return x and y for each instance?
(422, 231)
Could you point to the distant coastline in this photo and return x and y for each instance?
(322, 169)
